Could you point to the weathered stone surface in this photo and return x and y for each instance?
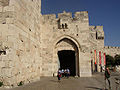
(30, 42)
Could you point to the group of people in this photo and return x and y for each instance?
(66, 73)
(63, 73)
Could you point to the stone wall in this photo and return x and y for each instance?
(20, 57)
(29, 42)
(109, 50)
(74, 29)
(97, 43)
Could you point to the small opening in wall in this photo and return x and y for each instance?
(29, 29)
(4, 23)
(66, 26)
(21, 40)
(101, 38)
(96, 36)
(7, 16)
(2, 52)
(76, 34)
(63, 26)
(35, 46)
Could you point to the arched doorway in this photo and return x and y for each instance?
(68, 55)
(67, 61)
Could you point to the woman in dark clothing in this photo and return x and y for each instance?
(107, 76)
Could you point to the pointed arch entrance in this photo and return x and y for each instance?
(67, 59)
(67, 53)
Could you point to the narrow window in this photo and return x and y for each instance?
(63, 26)
(96, 36)
(66, 26)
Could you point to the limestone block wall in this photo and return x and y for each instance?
(20, 56)
(109, 50)
(97, 43)
(75, 29)
(96, 37)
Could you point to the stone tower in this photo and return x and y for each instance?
(20, 41)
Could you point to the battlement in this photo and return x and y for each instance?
(49, 16)
(81, 14)
(78, 16)
(110, 47)
(4, 2)
(65, 15)
(112, 50)
(96, 28)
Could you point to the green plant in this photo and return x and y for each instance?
(110, 62)
(117, 59)
(1, 83)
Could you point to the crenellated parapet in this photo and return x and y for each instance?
(49, 17)
(64, 19)
(96, 28)
(83, 15)
(109, 50)
(68, 15)
(110, 47)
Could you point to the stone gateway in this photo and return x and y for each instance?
(33, 45)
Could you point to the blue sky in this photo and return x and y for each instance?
(101, 12)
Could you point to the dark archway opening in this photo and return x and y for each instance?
(67, 60)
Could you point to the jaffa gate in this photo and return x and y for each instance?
(33, 45)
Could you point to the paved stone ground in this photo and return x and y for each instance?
(96, 82)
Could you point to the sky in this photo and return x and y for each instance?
(101, 12)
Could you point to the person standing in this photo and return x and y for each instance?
(62, 71)
(68, 73)
(59, 74)
(107, 77)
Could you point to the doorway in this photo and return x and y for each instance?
(67, 59)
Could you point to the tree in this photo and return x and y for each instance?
(110, 61)
(117, 59)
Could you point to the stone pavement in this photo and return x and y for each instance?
(73, 83)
